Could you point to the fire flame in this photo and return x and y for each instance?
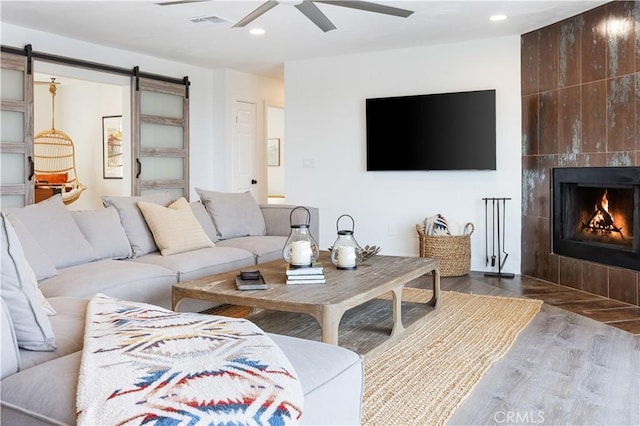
(602, 219)
(604, 202)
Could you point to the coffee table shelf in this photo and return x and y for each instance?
(365, 329)
(353, 294)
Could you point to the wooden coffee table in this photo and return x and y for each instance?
(327, 303)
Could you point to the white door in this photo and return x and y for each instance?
(244, 149)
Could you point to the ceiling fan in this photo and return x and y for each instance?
(310, 10)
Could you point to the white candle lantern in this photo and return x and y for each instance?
(346, 252)
(301, 249)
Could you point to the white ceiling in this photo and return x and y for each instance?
(165, 32)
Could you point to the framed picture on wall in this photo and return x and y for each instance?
(112, 166)
(273, 152)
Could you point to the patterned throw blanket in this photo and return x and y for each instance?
(142, 364)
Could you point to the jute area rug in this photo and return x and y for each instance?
(424, 377)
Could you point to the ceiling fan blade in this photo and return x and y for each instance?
(370, 7)
(173, 3)
(263, 8)
(316, 16)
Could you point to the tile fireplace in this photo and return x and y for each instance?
(596, 214)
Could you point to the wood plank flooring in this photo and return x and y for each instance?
(573, 365)
(577, 363)
(616, 314)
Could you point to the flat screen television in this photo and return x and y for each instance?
(444, 131)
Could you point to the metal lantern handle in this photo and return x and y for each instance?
(308, 222)
(353, 223)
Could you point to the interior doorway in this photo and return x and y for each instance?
(144, 101)
(244, 149)
(275, 154)
(82, 99)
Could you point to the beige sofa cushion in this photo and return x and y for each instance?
(201, 262)
(331, 376)
(41, 264)
(234, 214)
(118, 278)
(18, 288)
(175, 229)
(264, 249)
(102, 228)
(138, 233)
(200, 212)
(68, 327)
(42, 395)
(10, 361)
(53, 227)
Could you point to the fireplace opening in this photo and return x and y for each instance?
(603, 215)
(595, 214)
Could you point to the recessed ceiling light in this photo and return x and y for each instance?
(257, 31)
(498, 18)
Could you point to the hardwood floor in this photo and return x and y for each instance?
(577, 363)
(616, 314)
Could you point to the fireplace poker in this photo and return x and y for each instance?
(486, 232)
(499, 262)
(493, 232)
(504, 232)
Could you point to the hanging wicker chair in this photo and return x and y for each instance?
(55, 161)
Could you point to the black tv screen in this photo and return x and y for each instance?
(445, 131)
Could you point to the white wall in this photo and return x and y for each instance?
(325, 129)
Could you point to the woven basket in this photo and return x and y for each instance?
(453, 251)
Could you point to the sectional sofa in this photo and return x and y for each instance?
(135, 249)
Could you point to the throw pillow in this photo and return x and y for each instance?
(30, 322)
(10, 361)
(135, 227)
(233, 214)
(200, 212)
(37, 258)
(175, 228)
(41, 299)
(53, 227)
(102, 228)
(52, 178)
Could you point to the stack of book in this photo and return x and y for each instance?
(311, 275)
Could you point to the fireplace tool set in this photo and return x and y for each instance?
(497, 228)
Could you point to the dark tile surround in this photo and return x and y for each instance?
(580, 108)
